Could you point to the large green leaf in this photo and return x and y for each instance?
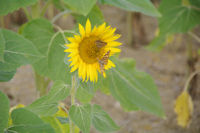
(7, 6)
(58, 70)
(81, 116)
(39, 128)
(133, 89)
(143, 6)
(177, 17)
(59, 4)
(4, 111)
(81, 6)
(195, 3)
(47, 105)
(25, 117)
(6, 76)
(25, 121)
(85, 91)
(51, 45)
(95, 16)
(2, 46)
(102, 121)
(40, 32)
(18, 51)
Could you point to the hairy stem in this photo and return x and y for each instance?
(27, 13)
(35, 10)
(44, 9)
(73, 93)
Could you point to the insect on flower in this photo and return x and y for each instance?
(90, 51)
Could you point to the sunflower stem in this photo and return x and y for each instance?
(35, 10)
(28, 16)
(44, 9)
(72, 93)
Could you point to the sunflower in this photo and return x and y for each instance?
(89, 52)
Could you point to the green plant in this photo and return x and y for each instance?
(41, 43)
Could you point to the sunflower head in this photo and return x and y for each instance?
(90, 51)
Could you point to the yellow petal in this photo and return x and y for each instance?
(88, 27)
(113, 38)
(69, 50)
(72, 45)
(101, 28)
(109, 65)
(71, 39)
(108, 34)
(74, 68)
(113, 50)
(77, 38)
(81, 30)
(113, 44)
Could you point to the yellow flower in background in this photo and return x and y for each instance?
(90, 51)
(183, 109)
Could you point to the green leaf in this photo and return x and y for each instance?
(176, 17)
(102, 121)
(58, 70)
(25, 121)
(40, 32)
(4, 111)
(18, 51)
(143, 6)
(40, 128)
(2, 46)
(81, 6)
(195, 3)
(85, 91)
(59, 4)
(133, 89)
(25, 117)
(95, 16)
(6, 76)
(47, 105)
(7, 6)
(51, 45)
(81, 116)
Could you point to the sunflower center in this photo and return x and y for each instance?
(88, 50)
